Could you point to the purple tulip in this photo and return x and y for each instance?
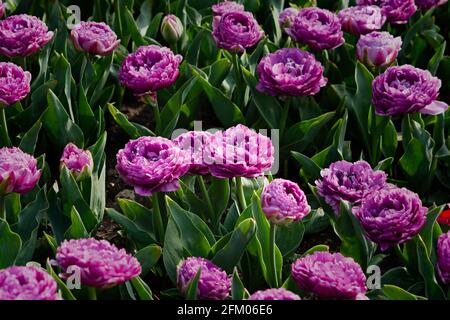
(152, 164)
(406, 89)
(236, 31)
(193, 143)
(391, 216)
(443, 254)
(329, 276)
(14, 83)
(95, 38)
(18, 171)
(428, 4)
(378, 49)
(396, 11)
(27, 283)
(283, 201)
(274, 294)
(77, 160)
(239, 152)
(2, 9)
(149, 69)
(226, 6)
(318, 28)
(287, 17)
(172, 28)
(99, 263)
(23, 35)
(361, 19)
(214, 283)
(290, 72)
(348, 181)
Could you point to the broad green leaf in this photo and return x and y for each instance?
(10, 245)
(230, 255)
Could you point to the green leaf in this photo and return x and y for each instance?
(289, 237)
(309, 168)
(433, 65)
(427, 230)
(66, 293)
(268, 106)
(196, 237)
(27, 226)
(132, 28)
(77, 230)
(238, 291)
(432, 289)
(143, 290)
(60, 129)
(396, 293)
(140, 215)
(191, 292)
(132, 230)
(131, 129)
(10, 245)
(219, 192)
(354, 243)
(226, 111)
(389, 140)
(230, 255)
(29, 140)
(317, 248)
(148, 257)
(71, 195)
(304, 132)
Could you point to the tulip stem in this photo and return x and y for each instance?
(239, 95)
(240, 194)
(157, 219)
(272, 262)
(5, 136)
(2, 208)
(201, 182)
(92, 292)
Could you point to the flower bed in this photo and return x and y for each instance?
(245, 150)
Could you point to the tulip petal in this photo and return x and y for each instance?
(436, 107)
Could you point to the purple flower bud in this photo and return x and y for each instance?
(318, 28)
(428, 4)
(283, 201)
(443, 253)
(193, 143)
(226, 6)
(14, 83)
(287, 17)
(239, 152)
(22, 35)
(214, 283)
(274, 294)
(77, 160)
(152, 164)
(361, 19)
(329, 276)
(95, 38)
(391, 216)
(348, 181)
(2, 9)
(27, 283)
(149, 69)
(171, 28)
(99, 263)
(18, 171)
(236, 31)
(378, 49)
(290, 72)
(406, 89)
